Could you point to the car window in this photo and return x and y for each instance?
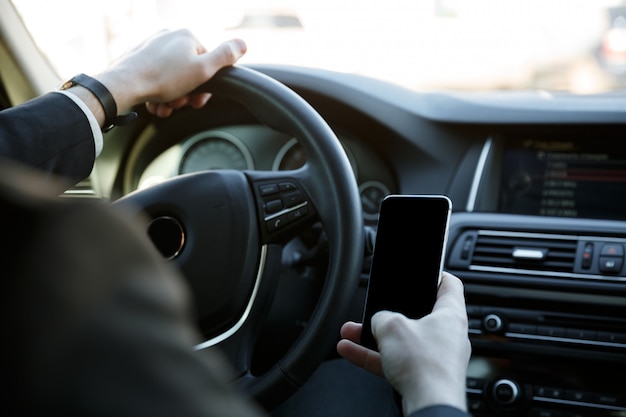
(573, 45)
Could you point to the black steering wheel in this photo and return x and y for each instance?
(226, 230)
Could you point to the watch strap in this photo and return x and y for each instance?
(104, 96)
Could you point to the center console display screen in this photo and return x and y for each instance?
(565, 178)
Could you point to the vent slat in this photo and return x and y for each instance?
(530, 242)
(497, 251)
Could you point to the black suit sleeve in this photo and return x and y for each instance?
(50, 133)
(439, 411)
(100, 324)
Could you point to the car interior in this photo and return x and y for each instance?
(537, 234)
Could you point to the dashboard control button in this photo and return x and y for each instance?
(610, 264)
(492, 323)
(505, 391)
(468, 244)
(612, 249)
(612, 337)
(587, 255)
(579, 396)
(474, 310)
(551, 331)
(549, 392)
(474, 324)
(475, 383)
(609, 399)
(582, 334)
(476, 405)
(522, 328)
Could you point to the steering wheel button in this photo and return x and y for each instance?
(298, 213)
(273, 206)
(277, 222)
(293, 198)
(287, 186)
(268, 189)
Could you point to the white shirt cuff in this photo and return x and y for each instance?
(95, 127)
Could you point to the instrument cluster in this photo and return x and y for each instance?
(246, 147)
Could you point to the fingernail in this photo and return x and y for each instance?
(238, 47)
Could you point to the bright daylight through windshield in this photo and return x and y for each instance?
(576, 45)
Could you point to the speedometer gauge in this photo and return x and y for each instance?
(292, 156)
(214, 150)
(372, 194)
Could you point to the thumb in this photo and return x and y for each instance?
(226, 53)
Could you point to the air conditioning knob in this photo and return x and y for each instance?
(493, 323)
(505, 392)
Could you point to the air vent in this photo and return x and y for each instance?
(515, 252)
(525, 251)
(538, 254)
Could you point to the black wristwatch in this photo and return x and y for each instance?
(111, 119)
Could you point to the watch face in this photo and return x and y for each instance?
(67, 84)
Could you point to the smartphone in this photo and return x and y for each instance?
(408, 257)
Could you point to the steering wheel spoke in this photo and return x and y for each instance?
(284, 206)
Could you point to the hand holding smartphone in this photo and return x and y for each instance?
(408, 257)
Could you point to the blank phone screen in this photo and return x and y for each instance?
(407, 259)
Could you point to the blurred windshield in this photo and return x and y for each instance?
(573, 45)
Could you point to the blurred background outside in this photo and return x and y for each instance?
(574, 45)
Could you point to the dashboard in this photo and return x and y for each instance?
(250, 147)
(537, 233)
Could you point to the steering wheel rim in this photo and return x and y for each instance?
(328, 183)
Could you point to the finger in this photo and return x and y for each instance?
(159, 109)
(164, 111)
(179, 102)
(151, 107)
(351, 331)
(198, 100)
(360, 356)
